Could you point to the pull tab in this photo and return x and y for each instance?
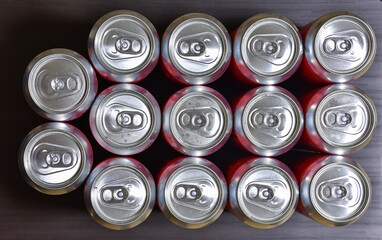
(273, 48)
(342, 192)
(198, 194)
(201, 47)
(267, 194)
(275, 122)
(349, 118)
(346, 45)
(121, 117)
(121, 44)
(204, 121)
(51, 158)
(54, 86)
(122, 194)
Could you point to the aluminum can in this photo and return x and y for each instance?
(125, 119)
(267, 49)
(196, 49)
(55, 158)
(268, 121)
(263, 192)
(123, 46)
(339, 119)
(192, 192)
(339, 47)
(197, 121)
(334, 190)
(120, 193)
(60, 84)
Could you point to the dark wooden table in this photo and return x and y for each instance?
(30, 27)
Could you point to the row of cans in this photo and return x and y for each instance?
(192, 192)
(125, 119)
(267, 49)
(196, 49)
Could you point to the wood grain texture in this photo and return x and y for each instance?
(30, 27)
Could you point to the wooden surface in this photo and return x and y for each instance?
(30, 27)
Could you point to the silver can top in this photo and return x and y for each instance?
(196, 49)
(345, 119)
(125, 119)
(343, 44)
(265, 191)
(267, 48)
(270, 120)
(120, 193)
(197, 120)
(60, 84)
(192, 192)
(55, 158)
(124, 46)
(340, 192)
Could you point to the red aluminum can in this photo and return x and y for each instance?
(267, 49)
(338, 47)
(196, 49)
(191, 192)
(339, 119)
(268, 121)
(334, 190)
(263, 192)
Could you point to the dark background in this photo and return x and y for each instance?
(30, 27)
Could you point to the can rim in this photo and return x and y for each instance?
(320, 70)
(171, 168)
(87, 98)
(86, 157)
(133, 165)
(259, 78)
(196, 79)
(242, 135)
(168, 111)
(114, 75)
(151, 135)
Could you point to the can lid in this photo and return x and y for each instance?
(266, 194)
(340, 192)
(197, 45)
(193, 194)
(121, 192)
(56, 158)
(345, 118)
(272, 120)
(122, 44)
(125, 119)
(270, 48)
(200, 120)
(60, 82)
(344, 44)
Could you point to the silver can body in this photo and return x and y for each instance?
(267, 49)
(197, 121)
(192, 192)
(55, 158)
(120, 193)
(334, 190)
(125, 119)
(339, 119)
(196, 49)
(268, 121)
(263, 192)
(60, 84)
(339, 47)
(123, 46)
